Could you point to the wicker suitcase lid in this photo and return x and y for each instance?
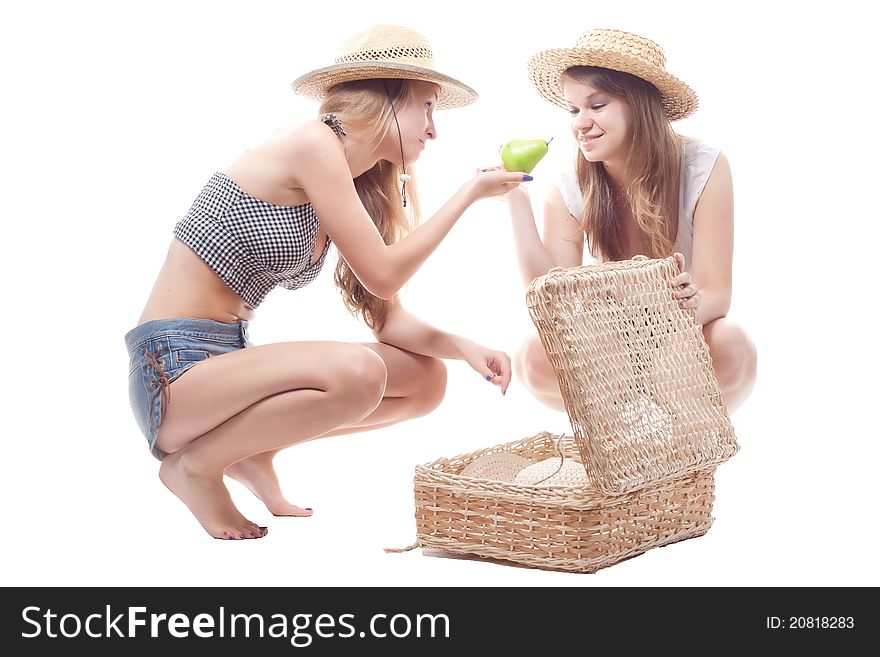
(634, 372)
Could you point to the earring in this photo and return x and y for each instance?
(404, 178)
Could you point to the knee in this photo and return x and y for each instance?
(430, 386)
(534, 367)
(734, 356)
(361, 379)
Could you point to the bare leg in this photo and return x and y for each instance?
(258, 475)
(537, 373)
(415, 386)
(734, 359)
(253, 401)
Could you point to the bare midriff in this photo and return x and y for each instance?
(187, 287)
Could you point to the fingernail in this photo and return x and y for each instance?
(489, 377)
(308, 508)
(527, 177)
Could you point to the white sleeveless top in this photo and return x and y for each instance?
(697, 162)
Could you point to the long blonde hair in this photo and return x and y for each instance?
(365, 106)
(652, 172)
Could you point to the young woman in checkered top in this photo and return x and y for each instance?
(207, 405)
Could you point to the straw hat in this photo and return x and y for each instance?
(553, 472)
(499, 466)
(385, 51)
(620, 51)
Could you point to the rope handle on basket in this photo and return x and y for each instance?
(562, 458)
(399, 550)
(561, 461)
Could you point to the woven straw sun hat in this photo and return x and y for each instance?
(617, 50)
(499, 466)
(553, 471)
(385, 51)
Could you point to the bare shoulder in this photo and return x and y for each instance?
(722, 162)
(556, 212)
(311, 151)
(553, 198)
(311, 138)
(563, 234)
(716, 199)
(720, 174)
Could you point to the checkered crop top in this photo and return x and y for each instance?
(252, 245)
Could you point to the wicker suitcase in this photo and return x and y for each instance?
(648, 422)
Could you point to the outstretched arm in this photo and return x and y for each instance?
(404, 330)
(323, 173)
(563, 242)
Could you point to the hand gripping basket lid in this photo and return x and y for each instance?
(634, 372)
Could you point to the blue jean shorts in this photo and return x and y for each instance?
(161, 350)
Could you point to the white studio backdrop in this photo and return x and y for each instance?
(115, 116)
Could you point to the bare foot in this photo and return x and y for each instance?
(208, 500)
(259, 476)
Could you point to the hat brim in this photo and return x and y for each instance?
(546, 69)
(314, 85)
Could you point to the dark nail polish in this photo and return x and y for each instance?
(527, 177)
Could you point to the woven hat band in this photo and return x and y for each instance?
(417, 56)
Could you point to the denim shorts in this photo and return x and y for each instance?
(161, 350)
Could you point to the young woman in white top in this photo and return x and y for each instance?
(637, 188)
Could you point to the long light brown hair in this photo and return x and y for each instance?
(365, 106)
(652, 172)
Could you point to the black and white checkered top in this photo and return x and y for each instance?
(253, 246)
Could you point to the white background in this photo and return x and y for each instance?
(115, 114)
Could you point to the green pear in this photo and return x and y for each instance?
(523, 154)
